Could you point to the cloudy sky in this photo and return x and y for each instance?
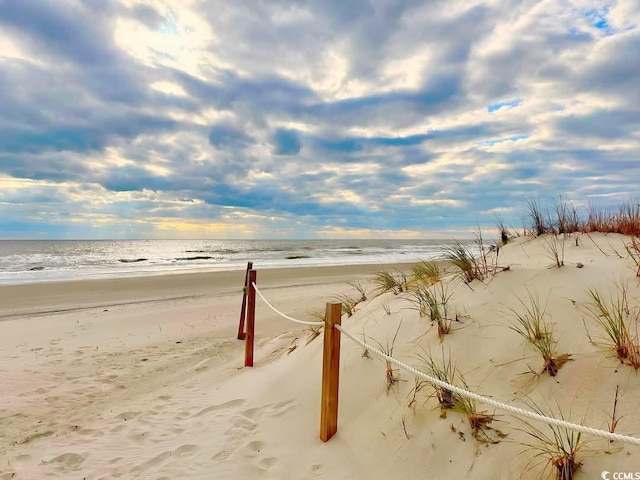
(311, 118)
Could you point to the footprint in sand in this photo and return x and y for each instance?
(23, 458)
(186, 450)
(90, 432)
(117, 429)
(67, 460)
(252, 449)
(128, 415)
(241, 427)
(225, 453)
(267, 463)
(214, 408)
(158, 459)
(283, 409)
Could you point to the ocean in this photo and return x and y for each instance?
(27, 261)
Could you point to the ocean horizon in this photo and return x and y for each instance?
(32, 261)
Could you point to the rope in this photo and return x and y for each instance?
(494, 403)
(295, 320)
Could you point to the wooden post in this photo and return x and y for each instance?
(330, 372)
(244, 302)
(251, 320)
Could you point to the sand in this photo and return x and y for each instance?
(143, 377)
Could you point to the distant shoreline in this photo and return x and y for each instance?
(39, 298)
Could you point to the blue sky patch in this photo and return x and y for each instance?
(493, 107)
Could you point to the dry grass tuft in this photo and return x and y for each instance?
(555, 249)
(479, 422)
(614, 417)
(633, 249)
(624, 220)
(539, 222)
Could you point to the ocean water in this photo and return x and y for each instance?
(52, 260)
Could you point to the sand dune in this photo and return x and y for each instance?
(145, 381)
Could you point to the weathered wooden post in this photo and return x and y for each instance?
(330, 372)
(244, 302)
(251, 320)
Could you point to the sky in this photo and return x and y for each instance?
(311, 118)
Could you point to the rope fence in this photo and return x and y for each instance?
(291, 319)
(494, 403)
(331, 363)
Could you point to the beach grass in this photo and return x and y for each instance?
(556, 448)
(390, 281)
(616, 319)
(530, 323)
(444, 371)
(433, 301)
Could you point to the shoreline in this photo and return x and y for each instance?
(26, 299)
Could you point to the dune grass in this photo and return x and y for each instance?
(470, 267)
(390, 281)
(556, 448)
(539, 221)
(502, 230)
(391, 377)
(426, 272)
(616, 320)
(433, 301)
(479, 422)
(555, 249)
(566, 219)
(348, 302)
(444, 371)
(633, 250)
(530, 323)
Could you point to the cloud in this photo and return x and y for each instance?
(287, 142)
(310, 118)
(228, 137)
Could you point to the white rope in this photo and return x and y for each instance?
(295, 320)
(488, 401)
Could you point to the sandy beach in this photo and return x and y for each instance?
(142, 377)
